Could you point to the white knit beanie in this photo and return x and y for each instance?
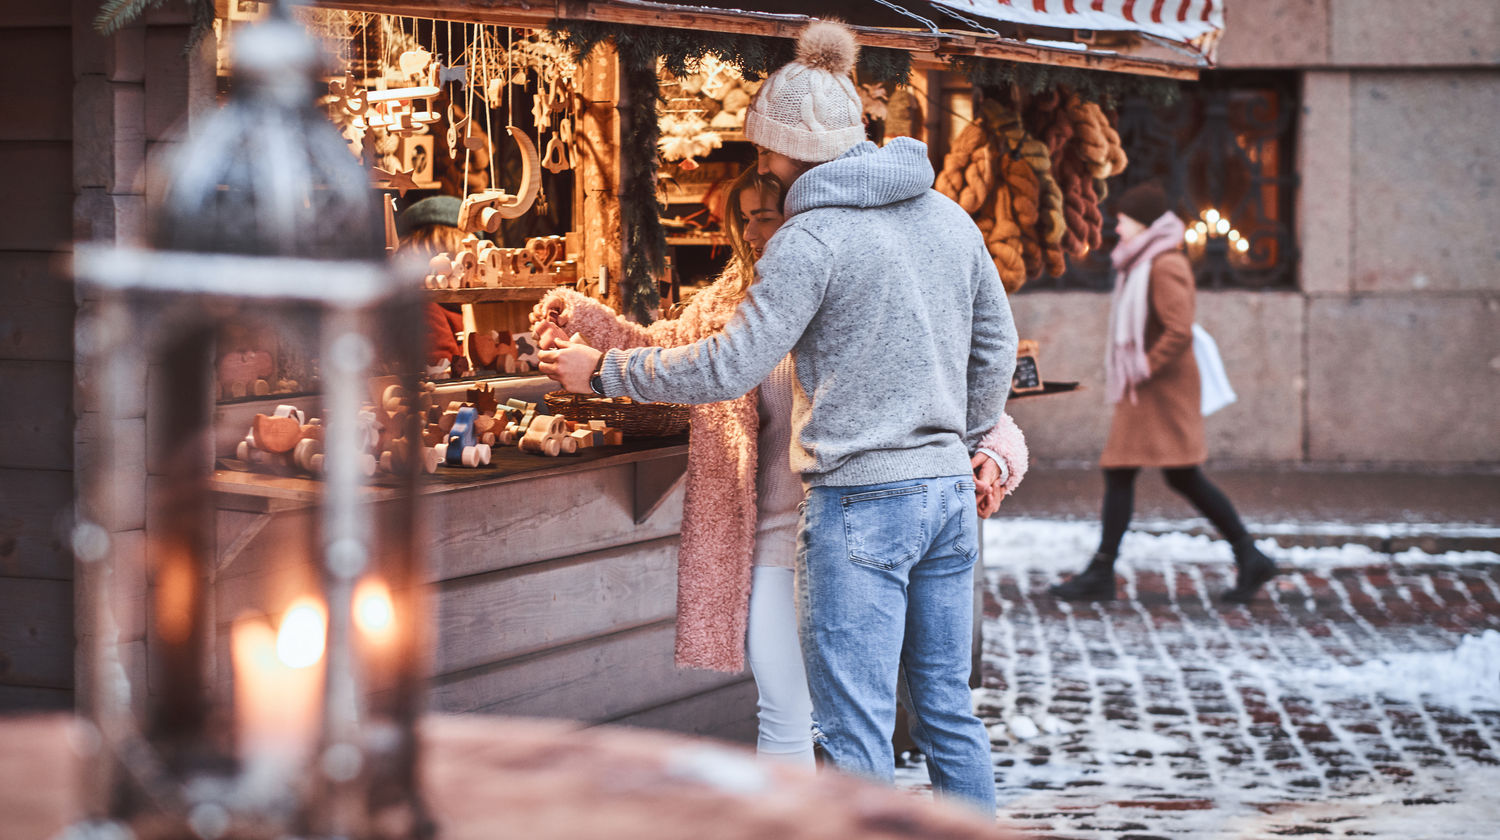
(808, 109)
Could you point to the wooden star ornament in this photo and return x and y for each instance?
(401, 181)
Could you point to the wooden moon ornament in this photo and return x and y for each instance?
(485, 210)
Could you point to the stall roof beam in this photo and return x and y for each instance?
(922, 43)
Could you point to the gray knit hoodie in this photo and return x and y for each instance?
(884, 293)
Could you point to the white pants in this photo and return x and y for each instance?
(775, 656)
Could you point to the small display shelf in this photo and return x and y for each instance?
(486, 295)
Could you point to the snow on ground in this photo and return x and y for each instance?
(1064, 546)
(1465, 678)
(1099, 777)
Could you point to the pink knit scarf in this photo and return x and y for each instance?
(1125, 364)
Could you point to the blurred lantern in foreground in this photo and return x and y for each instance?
(283, 705)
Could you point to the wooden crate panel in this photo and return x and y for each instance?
(491, 528)
(21, 698)
(596, 681)
(503, 615)
(38, 304)
(727, 713)
(36, 430)
(41, 107)
(33, 517)
(42, 171)
(36, 635)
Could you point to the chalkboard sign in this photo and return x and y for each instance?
(1028, 377)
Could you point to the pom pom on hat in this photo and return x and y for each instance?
(827, 45)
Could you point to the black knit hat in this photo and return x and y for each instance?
(1144, 202)
(433, 210)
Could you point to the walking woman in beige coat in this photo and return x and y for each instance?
(1151, 376)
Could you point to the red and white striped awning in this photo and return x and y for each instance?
(1195, 23)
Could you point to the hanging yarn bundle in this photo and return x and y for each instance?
(968, 171)
(1022, 187)
(1044, 233)
(1034, 187)
(1098, 142)
(1002, 236)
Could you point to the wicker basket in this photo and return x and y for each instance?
(632, 418)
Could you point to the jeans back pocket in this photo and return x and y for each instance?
(886, 528)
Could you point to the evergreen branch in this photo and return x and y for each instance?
(115, 15)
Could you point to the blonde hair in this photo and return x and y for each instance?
(769, 186)
(431, 240)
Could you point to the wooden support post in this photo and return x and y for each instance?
(596, 208)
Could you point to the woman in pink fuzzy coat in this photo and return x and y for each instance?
(735, 567)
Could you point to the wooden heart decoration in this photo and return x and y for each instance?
(543, 251)
(414, 61)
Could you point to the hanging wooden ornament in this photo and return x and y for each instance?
(458, 133)
(458, 74)
(554, 161)
(399, 180)
(413, 62)
(540, 113)
(485, 210)
(349, 96)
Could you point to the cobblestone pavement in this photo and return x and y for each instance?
(1166, 714)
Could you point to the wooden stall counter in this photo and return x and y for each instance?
(552, 583)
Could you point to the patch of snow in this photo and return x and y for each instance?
(1060, 546)
(1465, 678)
(1023, 727)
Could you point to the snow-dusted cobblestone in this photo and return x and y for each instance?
(1361, 699)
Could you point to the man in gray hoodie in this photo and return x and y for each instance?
(903, 343)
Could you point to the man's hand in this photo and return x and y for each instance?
(571, 364)
(988, 489)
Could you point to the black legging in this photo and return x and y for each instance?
(1189, 482)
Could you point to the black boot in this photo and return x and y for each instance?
(1254, 569)
(1095, 583)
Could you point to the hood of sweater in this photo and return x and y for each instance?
(865, 176)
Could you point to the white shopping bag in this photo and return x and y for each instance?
(1214, 381)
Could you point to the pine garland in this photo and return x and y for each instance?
(115, 15)
(754, 56)
(640, 212)
(1101, 86)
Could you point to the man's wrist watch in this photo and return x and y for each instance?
(596, 380)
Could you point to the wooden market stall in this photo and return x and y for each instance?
(552, 578)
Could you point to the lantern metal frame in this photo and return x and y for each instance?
(253, 231)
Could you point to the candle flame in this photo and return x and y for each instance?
(303, 634)
(374, 613)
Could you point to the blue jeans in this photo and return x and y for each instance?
(885, 582)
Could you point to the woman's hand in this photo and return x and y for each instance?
(548, 334)
(988, 488)
(549, 309)
(571, 364)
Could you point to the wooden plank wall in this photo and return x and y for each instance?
(36, 358)
(82, 118)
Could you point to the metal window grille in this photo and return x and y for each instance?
(1224, 153)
